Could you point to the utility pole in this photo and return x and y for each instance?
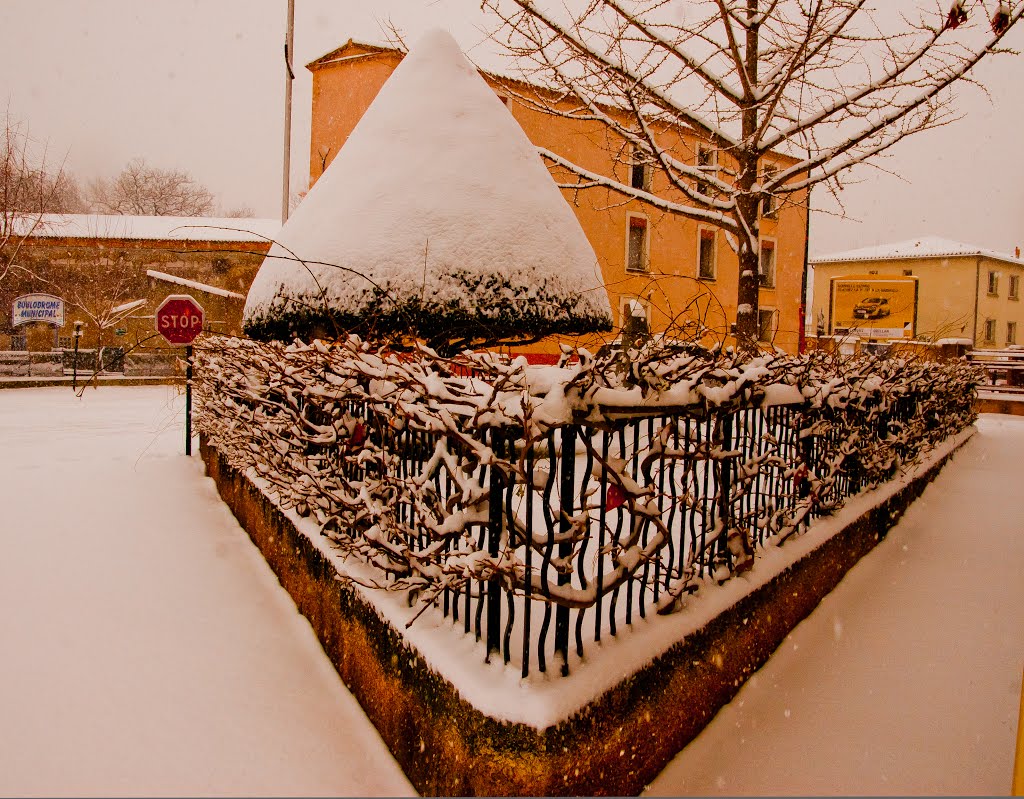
(288, 78)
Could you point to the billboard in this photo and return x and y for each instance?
(37, 308)
(874, 306)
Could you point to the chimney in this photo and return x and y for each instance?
(1016, 252)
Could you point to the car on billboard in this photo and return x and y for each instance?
(871, 308)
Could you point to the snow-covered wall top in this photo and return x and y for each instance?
(153, 228)
(927, 247)
(436, 215)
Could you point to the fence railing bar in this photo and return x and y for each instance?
(496, 489)
(602, 526)
(566, 493)
(634, 428)
(528, 562)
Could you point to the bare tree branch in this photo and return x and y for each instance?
(811, 87)
(28, 191)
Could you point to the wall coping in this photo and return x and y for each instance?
(629, 729)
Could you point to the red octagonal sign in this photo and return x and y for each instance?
(179, 319)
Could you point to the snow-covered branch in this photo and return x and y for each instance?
(661, 467)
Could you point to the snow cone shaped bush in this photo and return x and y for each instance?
(437, 221)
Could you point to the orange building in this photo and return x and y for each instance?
(678, 270)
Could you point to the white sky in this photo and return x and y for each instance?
(199, 86)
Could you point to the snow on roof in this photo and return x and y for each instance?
(193, 284)
(437, 199)
(488, 60)
(156, 228)
(927, 247)
(128, 306)
(335, 55)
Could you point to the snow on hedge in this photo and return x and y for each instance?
(437, 218)
(393, 456)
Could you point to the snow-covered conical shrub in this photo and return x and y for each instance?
(437, 220)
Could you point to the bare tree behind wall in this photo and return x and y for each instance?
(829, 83)
(29, 189)
(146, 190)
(108, 290)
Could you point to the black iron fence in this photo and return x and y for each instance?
(537, 540)
(699, 479)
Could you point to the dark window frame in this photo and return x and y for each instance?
(638, 230)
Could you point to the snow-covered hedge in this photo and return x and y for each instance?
(437, 220)
(566, 484)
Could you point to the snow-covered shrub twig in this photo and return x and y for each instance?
(564, 483)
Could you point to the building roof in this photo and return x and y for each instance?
(152, 228)
(492, 72)
(337, 54)
(927, 247)
(365, 49)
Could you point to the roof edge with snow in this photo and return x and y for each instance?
(148, 228)
(914, 249)
(193, 284)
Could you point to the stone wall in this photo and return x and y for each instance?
(104, 273)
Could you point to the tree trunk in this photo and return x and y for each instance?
(747, 203)
(747, 294)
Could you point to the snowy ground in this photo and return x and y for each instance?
(147, 648)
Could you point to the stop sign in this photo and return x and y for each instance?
(179, 319)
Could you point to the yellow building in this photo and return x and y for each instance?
(962, 292)
(676, 269)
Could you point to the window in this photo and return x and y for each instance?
(990, 331)
(636, 243)
(765, 324)
(64, 342)
(768, 205)
(1011, 332)
(19, 343)
(993, 283)
(908, 272)
(766, 264)
(707, 163)
(1014, 292)
(706, 254)
(639, 171)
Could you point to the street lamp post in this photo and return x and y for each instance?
(74, 365)
(288, 78)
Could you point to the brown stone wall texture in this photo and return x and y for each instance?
(612, 747)
(102, 274)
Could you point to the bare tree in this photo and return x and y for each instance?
(112, 291)
(828, 83)
(239, 212)
(28, 191)
(150, 191)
